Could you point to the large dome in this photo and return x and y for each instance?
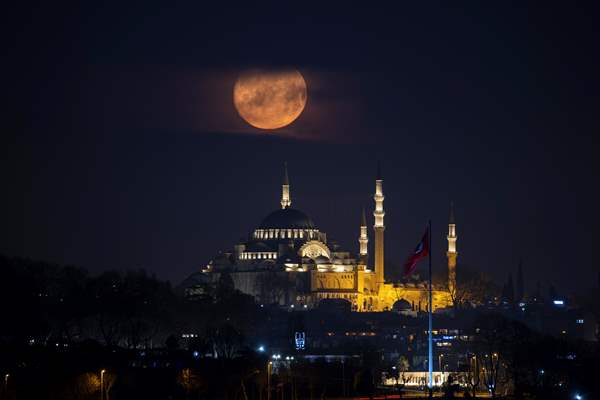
(287, 218)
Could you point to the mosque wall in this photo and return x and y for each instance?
(358, 288)
(332, 280)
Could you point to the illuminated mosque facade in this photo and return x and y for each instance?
(287, 260)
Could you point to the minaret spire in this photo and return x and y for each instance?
(286, 201)
(379, 228)
(452, 253)
(363, 239)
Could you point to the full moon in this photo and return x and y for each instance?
(270, 99)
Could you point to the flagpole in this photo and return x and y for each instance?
(430, 361)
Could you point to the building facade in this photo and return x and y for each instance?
(288, 260)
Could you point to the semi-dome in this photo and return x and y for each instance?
(287, 218)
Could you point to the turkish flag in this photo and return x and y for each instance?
(421, 251)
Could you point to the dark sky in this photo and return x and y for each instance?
(121, 147)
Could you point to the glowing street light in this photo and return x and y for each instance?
(102, 384)
(261, 348)
(269, 371)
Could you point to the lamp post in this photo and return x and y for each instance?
(6, 385)
(269, 369)
(102, 384)
(440, 361)
(475, 377)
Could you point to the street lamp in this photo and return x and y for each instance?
(440, 361)
(269, 369)
(6, 385)
(102, 384)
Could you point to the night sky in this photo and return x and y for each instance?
(121, 147)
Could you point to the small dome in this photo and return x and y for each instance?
(289, 258)
(287, 218)
(322, 260)
(197, 278)
(221, 260)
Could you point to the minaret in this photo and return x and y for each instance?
(363, 239)
(379, 228)
(452, 253)
(285, 189)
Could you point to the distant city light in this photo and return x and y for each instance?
(261, 348)
(579, 321)
(559, 302)
(195, 354)
(578, 396)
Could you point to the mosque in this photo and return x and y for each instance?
(288, 261)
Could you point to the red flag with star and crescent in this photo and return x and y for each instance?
(421, 251)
